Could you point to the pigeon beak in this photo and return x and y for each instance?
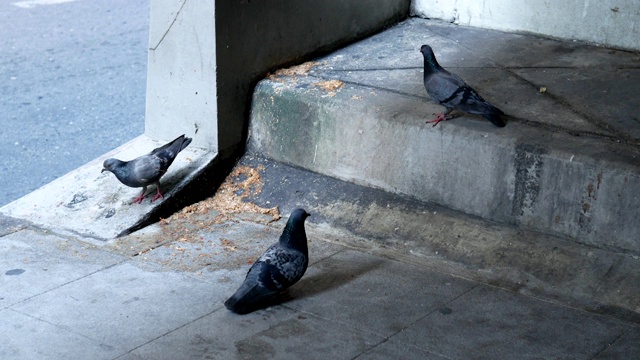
(103, 170)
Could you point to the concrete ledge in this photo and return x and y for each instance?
(553, 169)
(96, 205)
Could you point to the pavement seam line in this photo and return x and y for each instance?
(607, 346)
(434, 311)
(66, 283)
(63, 327)
(171, 331)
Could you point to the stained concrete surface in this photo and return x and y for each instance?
(504, 255)
(466, 329)
(41, 261)
(9, 225)
(566, 164)
(353, 302)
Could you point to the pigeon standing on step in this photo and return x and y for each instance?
(450, 91)
(146, 169)
(281, 266)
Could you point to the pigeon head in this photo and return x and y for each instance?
(110, 165)
(298, 216)
(294, 235)
(430, 61)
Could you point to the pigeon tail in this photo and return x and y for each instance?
(250, 298)
(177, 145)
(493, 114)
(495, 119)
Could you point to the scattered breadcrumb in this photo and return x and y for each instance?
(298, 70)
(244, 181)
(228, 244)
(543, 90)
(329, 85)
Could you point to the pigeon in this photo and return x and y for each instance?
(450, 91)
(281, 266)
(146, 169)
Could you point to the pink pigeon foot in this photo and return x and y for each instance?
(441, 117)
(158, 195)
(139, 198)
(437, 119)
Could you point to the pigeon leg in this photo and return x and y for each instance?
(440, 117)
(140, 197)
(158, 195)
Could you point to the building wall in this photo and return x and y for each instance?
(614, 23)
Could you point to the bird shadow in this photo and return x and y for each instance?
(334, 274)
(481, 119)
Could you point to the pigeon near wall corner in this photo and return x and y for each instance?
(147, 169)
(450, 91)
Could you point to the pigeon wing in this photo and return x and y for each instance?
(443, 87)
(276, 270)
(179, 139)
(451, 91)
(168, 152)
(282, 267)
(147, 169)
(252, 294)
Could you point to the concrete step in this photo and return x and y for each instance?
(567, 164)
(96, 206)
(527, 262)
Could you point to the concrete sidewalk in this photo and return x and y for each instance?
(159, 296)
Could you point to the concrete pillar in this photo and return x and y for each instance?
(181, 75)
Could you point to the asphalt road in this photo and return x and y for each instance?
(72, 85)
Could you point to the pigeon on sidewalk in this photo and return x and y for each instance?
(146, 169)
(450, 91)
(281, 266)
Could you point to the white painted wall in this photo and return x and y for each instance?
(181, 73)
(613, 23)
